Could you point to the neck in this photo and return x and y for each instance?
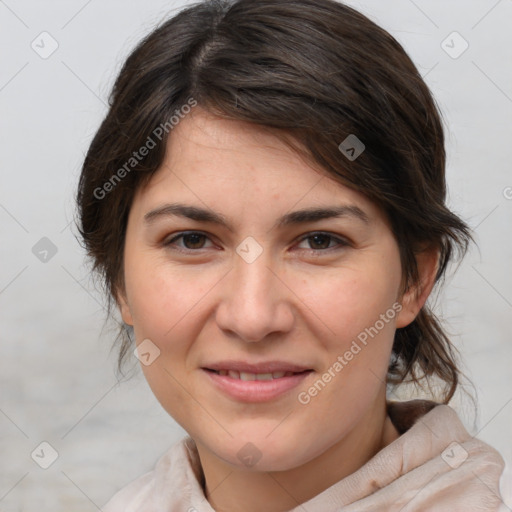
(230, 489)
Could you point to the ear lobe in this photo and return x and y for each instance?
(124, 308)
(415, 297)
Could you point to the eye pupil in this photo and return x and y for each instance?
(320, 241)
(193, 240)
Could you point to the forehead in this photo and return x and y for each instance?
(240, 165)
(206, 143)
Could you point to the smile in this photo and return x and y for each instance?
(252, 376)
(265, 385)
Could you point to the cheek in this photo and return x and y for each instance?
(360, 312)
(348, 301)
(162, 297)
(166, 307)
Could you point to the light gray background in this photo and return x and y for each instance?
(57, 376)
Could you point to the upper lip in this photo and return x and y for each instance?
(262, 367)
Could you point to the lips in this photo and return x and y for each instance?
(259, 382)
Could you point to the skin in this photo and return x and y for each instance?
(303, 300)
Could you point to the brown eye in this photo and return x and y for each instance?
(189, 241)
(194, 241)
(321, 241)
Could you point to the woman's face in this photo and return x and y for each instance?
(264, 295)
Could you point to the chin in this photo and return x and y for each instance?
(263, 452)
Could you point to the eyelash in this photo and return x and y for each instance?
(341, 242)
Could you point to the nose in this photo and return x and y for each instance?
(255, 303)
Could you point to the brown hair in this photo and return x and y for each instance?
(315, 71)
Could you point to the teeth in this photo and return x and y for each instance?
(253, 376)
(264, 376)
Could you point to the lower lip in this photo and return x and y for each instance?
(256, 390)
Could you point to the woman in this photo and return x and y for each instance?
(265, 201)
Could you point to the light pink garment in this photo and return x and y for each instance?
(434, 466)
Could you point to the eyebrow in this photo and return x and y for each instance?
(293, 218)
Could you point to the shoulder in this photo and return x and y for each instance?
(506, 488)
(132, 497)
(142, 494)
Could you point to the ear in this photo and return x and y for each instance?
(124, 307)
(416, 295)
